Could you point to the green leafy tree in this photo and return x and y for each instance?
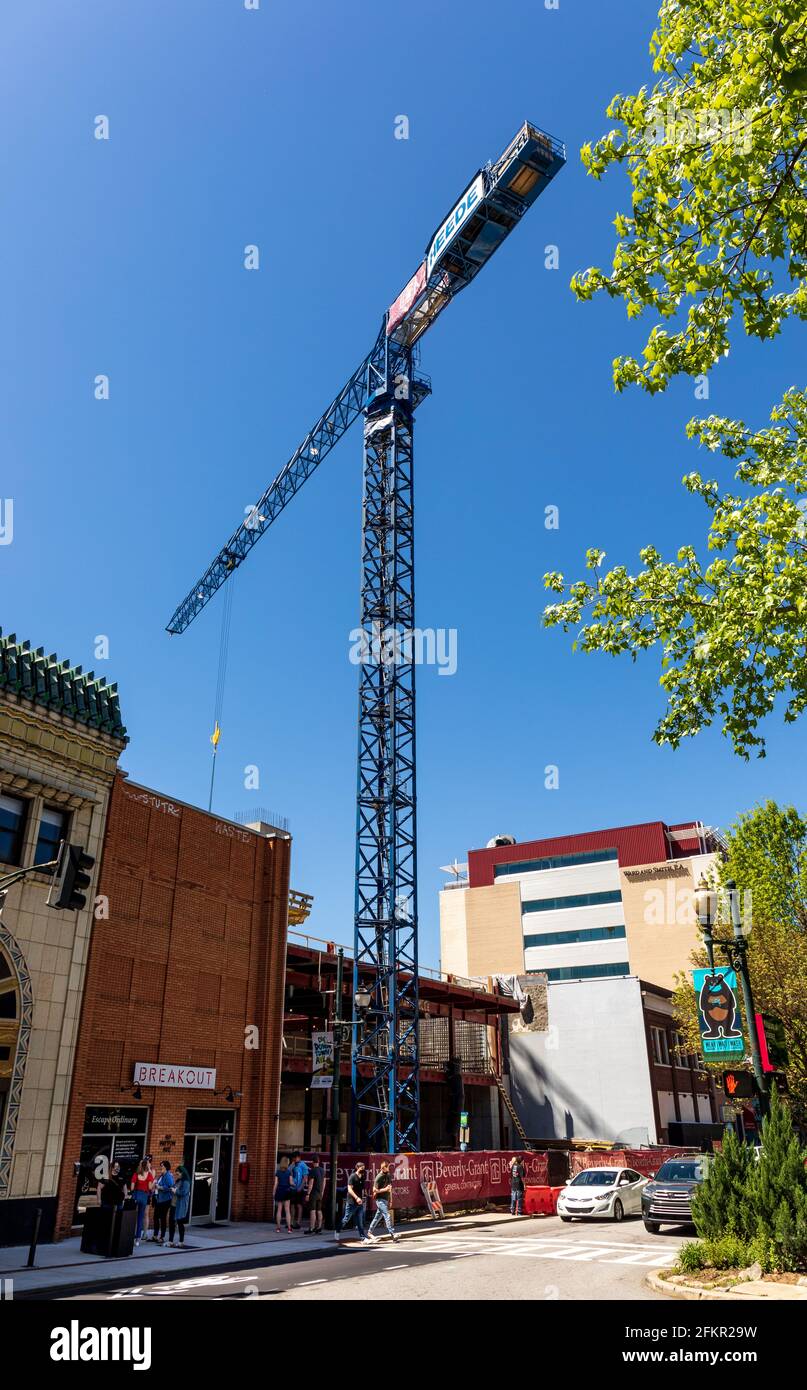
(720, 1205)
(716, 156)
(767, 858)
(777, 1189)
(733, 630)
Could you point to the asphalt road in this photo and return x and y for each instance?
(527, 1260)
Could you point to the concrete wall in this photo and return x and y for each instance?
(480, 930)
(660, 917)
(587, 1076)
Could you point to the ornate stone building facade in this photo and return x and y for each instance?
(60, 739)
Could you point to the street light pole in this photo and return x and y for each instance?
(738, 955)
(337, 1079)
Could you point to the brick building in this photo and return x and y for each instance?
(60, 739)
(184, 990)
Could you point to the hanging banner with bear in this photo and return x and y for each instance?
(718, 1012)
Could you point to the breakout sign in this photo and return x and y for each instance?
(448, 229)
(173, 1074)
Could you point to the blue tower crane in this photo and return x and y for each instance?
(386, 388)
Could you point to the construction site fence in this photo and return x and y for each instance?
(481, 1175)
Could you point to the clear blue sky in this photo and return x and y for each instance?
(124, 257)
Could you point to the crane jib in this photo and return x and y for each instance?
(463, 242)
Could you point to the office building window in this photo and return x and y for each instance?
(52, 829)
(583, 972)
(577, 900)
(572, 938)
(12, 829)
(554, 861)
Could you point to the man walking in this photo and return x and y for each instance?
(354, 1205)
(316, 1186)
(382, 1191)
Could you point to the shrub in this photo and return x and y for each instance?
(721, 1205)
(778, 1189)
(727, 1252)
(692, 1256)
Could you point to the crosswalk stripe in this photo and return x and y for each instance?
(553, 1249)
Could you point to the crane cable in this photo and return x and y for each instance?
(224, 646)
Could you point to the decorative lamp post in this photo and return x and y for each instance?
(736, 954)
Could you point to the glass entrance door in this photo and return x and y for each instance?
(208, 1158)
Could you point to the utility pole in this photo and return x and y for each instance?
(333, 1123)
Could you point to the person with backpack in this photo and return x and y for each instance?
(298, 1174)
(382, 1192)
(162, 1193)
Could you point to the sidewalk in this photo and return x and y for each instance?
(61, 1266)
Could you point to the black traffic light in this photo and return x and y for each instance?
(70, 877)
(739, 1085)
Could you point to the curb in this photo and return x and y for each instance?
(238, 1257)
(691, 1293)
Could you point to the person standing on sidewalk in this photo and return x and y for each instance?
(354, 1205)
(299, 1187)
(518, 1174)
(148, 1222)
(112, 1190)
(163, 1192)
(382, 1191)
(281, 1194)
(316, 1187)
(141, 1191)
(180, 1202)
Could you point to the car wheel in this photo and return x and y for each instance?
(619, 1210)
(564, 1218)
(652, 1226)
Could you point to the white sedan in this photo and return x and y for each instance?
(611, 1192)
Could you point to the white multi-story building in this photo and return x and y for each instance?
(604, 903)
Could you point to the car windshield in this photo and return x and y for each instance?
(595, 1177)
(676, 1171)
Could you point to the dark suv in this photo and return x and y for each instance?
(667, 1198)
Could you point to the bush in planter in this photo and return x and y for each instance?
(721, 1204)
(692, 1256)
(727, 1252)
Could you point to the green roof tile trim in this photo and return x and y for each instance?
(44, 680)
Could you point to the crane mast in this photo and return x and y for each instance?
(386, 389)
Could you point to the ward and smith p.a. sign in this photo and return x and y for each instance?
(170, 1074)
